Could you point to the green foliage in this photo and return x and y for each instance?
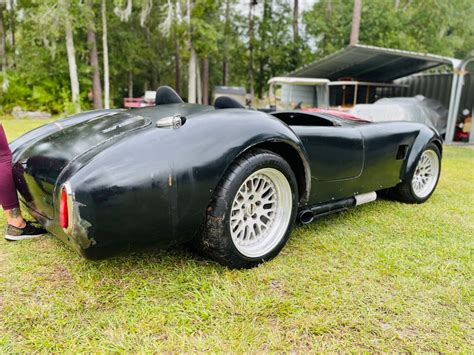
(147, 44)
(432, 26)
(40, 78)
(47, 94)
(276, 51)
(206, 27)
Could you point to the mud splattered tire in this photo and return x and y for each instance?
(252, 211)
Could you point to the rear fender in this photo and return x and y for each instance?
(34, 135)
(260, 130)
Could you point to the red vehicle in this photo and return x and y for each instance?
(135, 102)
(340, 114)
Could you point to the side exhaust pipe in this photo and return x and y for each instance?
(305, 216)
(308, 214)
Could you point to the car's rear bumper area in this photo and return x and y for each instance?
(76, 236)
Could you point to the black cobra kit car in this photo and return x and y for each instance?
(231, 180)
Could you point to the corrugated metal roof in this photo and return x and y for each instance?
(369, 63)
(298, 81)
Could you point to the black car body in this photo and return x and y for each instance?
(149, 174)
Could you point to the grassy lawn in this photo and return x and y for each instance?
(382, 277)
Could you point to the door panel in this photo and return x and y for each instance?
(335, 153)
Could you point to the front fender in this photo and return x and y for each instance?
(425, 137)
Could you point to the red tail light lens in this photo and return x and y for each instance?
(64, 210)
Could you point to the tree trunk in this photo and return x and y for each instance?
(192, 77)
(198, 82)
(71, 56)
(356, 14)
(225, 62)
(177, 63)
(251, 40)
(13, 33)
(397, 5)
(296, 12)
(225, 72)
(130, 84)
(205, 81)
(329, 9)
(154, 75)
(94, 62)
(264, 59)
(192, 60)
(3, 52)
(105, 45)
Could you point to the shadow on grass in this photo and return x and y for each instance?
(185, 254)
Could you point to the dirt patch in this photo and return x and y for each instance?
(57, 275)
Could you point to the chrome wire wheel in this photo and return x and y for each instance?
(261, 212)
(426, 174)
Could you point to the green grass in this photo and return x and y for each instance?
(382, 277)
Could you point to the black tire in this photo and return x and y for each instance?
(404, 191)
(216, 240)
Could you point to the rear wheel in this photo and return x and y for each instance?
(424, 179)
(252, 211)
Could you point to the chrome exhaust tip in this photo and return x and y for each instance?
(305, 216)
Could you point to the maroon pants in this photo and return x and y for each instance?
(8, 196)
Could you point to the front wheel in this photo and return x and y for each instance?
(424, 179)
(252, 211)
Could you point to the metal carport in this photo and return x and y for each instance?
(369, 63)
(462, 95)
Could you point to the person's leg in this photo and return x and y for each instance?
(17, 227)
(8, 195)
(14, 217)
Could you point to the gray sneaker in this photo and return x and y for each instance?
(29, 231)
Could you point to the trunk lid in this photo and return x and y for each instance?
(38, 167)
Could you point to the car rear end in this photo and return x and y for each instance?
(44, 170)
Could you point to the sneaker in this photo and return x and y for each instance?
(29, 231)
